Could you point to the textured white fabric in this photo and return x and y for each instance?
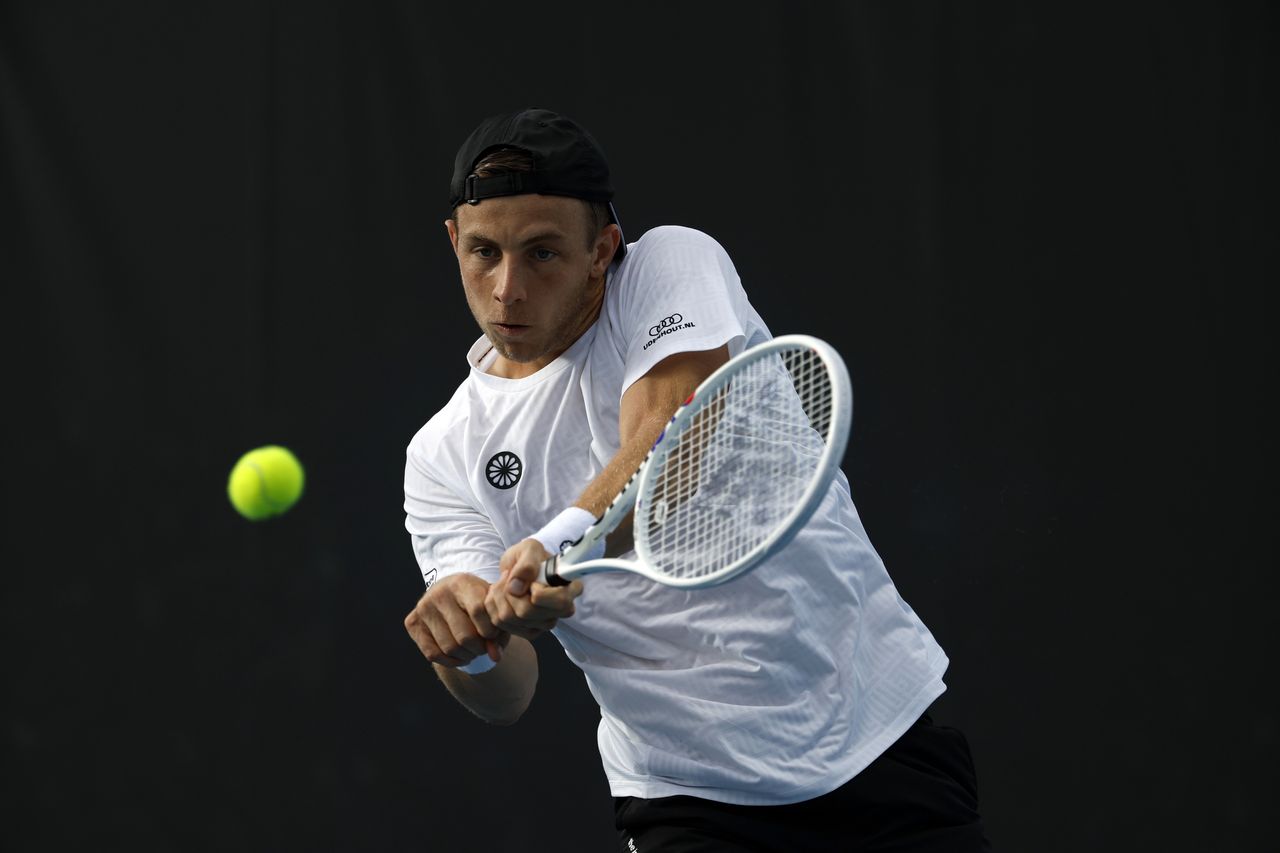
(775, 687)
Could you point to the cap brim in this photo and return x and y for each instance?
(622, 244)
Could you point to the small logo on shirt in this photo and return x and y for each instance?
(666, 326)
(430, 577)
(667, 322)
(503, 470)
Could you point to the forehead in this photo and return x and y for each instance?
(515, 215)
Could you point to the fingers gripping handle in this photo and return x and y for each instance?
(593, 540)
(549, 575)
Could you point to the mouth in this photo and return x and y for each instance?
(511, 329)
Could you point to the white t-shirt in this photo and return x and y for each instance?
(776, 687)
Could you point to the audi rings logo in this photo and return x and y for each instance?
(503, 470)
(674, 323)
(666, 323)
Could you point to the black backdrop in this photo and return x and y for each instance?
(1044, 240)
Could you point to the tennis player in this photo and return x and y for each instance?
(784, 710)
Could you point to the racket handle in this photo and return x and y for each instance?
(549, 574)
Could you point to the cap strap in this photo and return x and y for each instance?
(508, 183)
(516, 183)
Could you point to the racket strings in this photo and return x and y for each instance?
(740, 466)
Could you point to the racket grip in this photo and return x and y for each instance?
(549, 575)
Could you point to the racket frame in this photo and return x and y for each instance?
(561, 568)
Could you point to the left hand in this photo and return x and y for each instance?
(517, 603)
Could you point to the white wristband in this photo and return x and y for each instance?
(565, 529)
(484, 663)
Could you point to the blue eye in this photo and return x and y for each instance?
(543, 254)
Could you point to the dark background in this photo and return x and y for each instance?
(1043, 238)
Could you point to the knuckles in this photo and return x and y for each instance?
(478, 610)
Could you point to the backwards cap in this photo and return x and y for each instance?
(566, 161)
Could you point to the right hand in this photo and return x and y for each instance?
(451, 625)
(521, 606)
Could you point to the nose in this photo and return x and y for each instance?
(508, 285)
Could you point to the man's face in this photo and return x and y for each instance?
(532, 282)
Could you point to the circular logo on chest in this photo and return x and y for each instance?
(503, 470)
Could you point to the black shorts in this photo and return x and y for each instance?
(920, 795)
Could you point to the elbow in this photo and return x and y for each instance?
(508, 715)
(505, 719)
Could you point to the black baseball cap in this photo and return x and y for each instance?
(566, 161)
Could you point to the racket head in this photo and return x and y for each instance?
(744, 464)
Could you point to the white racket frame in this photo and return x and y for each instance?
(563, 567)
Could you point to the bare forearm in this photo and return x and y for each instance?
(611, 480)
(605, 487)
(646, 411)
(502, 694)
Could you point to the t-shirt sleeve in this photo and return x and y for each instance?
(681, 293)
(449, 535)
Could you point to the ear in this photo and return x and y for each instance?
(452, 228)
(606, 248)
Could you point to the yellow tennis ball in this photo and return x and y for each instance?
(265, 482)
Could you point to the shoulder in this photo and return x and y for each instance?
(446, 424)
(666, 239)
(669, 256)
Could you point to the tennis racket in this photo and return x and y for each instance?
(738, 471)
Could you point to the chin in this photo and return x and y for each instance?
(519, 355)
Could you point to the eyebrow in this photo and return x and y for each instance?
(540, 237)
